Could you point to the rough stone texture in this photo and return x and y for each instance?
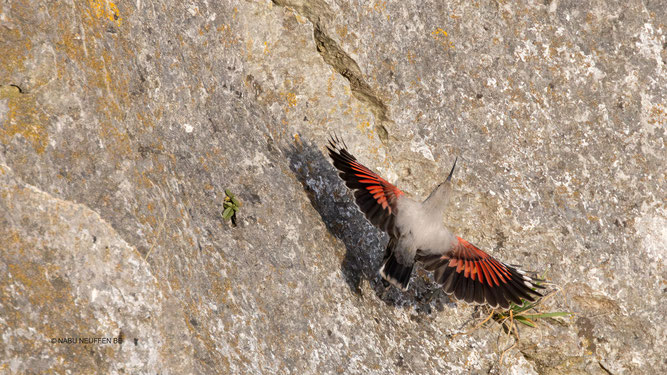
(121, 124)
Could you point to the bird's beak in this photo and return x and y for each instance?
(452, 171)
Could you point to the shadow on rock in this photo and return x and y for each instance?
(364, 243)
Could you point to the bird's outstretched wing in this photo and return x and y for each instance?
(375, 196)
(475, 276)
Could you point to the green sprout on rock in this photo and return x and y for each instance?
(518, 313)
(527, 313)
(232, 206)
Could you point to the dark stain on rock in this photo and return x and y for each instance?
(145, 150)
(500, 239)
(252, 83)
(586, 327)
(250, 196)
(399, 361)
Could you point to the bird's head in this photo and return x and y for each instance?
(439, 198)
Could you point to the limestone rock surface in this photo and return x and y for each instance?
(122, 123)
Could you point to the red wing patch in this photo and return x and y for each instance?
(474, 276)
(375, 196)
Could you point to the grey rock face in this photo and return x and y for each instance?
(121, 124)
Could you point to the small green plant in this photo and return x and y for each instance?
(232, 206)
(518, 313)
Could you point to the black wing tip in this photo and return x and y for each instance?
(529, 282)
(338, 149)
(518, 289)
(338, 143)
(521, 289)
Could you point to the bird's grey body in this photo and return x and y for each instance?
(420, 226)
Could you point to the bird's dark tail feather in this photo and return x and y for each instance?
(396, 273)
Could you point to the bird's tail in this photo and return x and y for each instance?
(393, 271)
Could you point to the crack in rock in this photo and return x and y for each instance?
(604, 368)
(337, 58)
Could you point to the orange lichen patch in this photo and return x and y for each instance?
(23, 119)
(110, 88)
(106, 81)
(330, 83)
(657, 116)
(146, 121)
(379, 6)
(16, 48)
(72, 44)
(227, 37)
(46, 293)
(249, 46)
(32, 283)
(142, 180)
(410, 56)
(415, 83)
(442, 37)
(25, 280)
(289, 100)
(364, 126)
(561, 190)
(387, 67)
(12, 241)
(105, 9)
(341, 30)
(115, 138)
(593, 218)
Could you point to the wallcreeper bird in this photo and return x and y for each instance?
(417, 234)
